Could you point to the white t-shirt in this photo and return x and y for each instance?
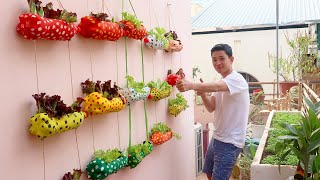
(232, 110)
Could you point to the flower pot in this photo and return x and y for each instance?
(159, 138)
(177, 105)
(152, 42)
(156, 95)
(132, 95)
(96, 103)
(99, 169)
(43, 126)
(175, 109)
(33, 26)
(135, 158)
(285, 87)
(93, 28)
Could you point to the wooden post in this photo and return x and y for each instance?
(274, 89)
(300, 96)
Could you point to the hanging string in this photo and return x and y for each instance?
(71, 81)
(145, 109)
(155, 14)
(132, 8)
(91, 68)
(174, 26)
(37, 80)
(117, 65)
(155, 104)
(126, 57)
(60, 4)
(130, 114)
(102, 6)
(108, 10)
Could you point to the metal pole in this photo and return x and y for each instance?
(277, 41)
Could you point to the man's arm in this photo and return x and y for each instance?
(184, 85)
(210, 87)
(209, 103)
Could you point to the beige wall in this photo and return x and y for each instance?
(26, 157)
(250, 51)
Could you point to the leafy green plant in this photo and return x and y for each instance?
(275, 131)
(298, 62)
(49, 12)
(160, 85)
(179, 100)
(244, 162)
(54, 106)
(159, 33)
(137, 86)
(303, 139)
(108, 156)
(132, 18)
(105, 89)
(163, 128)
(140, 150)
(74, 176)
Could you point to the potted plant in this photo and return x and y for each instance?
(303, 140)
(287, 69)
(47, 23)
(156, 39)
(161, 133)
(53, 116)
(136, 91)
(98, 26)
(177, 105)
(159, 90)
(297, 64)
(258, 96)
(172, 79)
(102, 98)
(133, 27)
(74, 176)
(137, 152)
(175, 44)
(105, 163)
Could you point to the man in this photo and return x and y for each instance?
(230, 102)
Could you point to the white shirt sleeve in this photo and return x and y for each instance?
(236, 83)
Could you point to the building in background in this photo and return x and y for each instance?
(249, 26)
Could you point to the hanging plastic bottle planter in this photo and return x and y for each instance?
(136, 91)
(106, 163)
(53, 116)
(159, 90)
(177, 105)
(132, 27)
(102, 98)
(161, 133)
(47, 23)
(98, 26)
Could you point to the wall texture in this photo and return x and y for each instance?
(28, 67)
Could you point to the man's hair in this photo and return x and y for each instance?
(222, 47)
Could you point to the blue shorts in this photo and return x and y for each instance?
(220, 159)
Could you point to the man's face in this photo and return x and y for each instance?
(222, 63)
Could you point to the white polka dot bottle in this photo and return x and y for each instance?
(33, 26)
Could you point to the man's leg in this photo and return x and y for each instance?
(225, 156)
(208, 163)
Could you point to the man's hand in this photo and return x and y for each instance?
(200, 93)
(183, 85)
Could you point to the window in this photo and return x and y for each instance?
(249, 78)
